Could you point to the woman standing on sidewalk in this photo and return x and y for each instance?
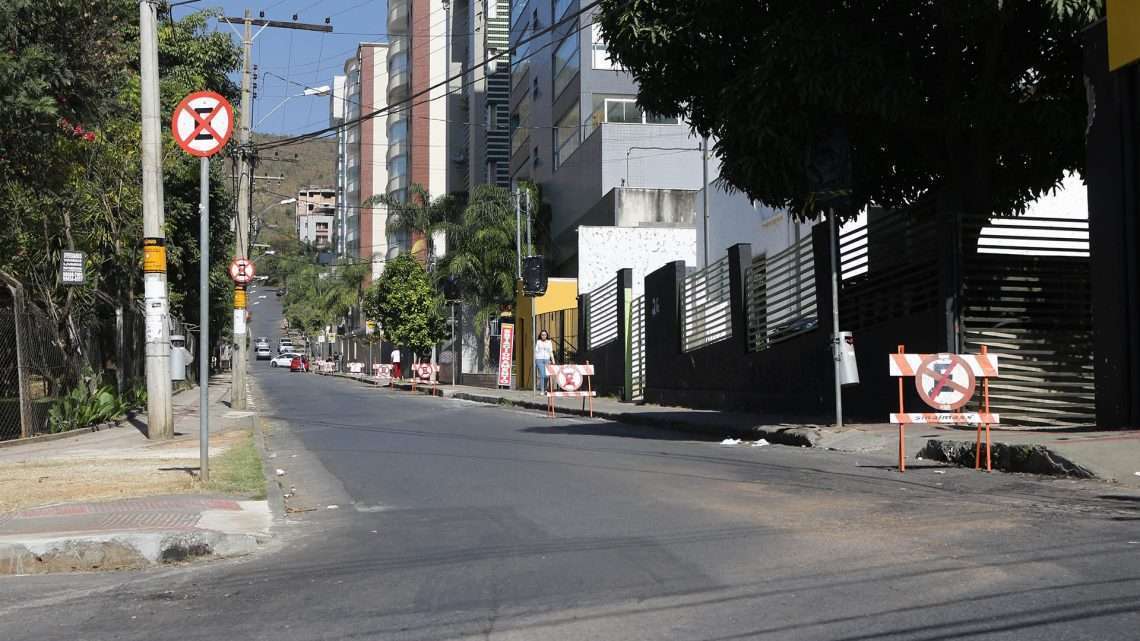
(543, 356)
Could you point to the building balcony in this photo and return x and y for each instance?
(397, 45)
(398, 16)
(396, 183)
(398, 84)
(397, 148)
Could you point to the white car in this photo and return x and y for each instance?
(263, 353)
(283, 359)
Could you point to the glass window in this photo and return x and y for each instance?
(398, 166)
(654, 119)
(565, 63)
(567, 136)
(601, 55)
(560, 7)
(398, 132)
(623, 110)
(492, 9)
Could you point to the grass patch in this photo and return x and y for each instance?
(238, 470)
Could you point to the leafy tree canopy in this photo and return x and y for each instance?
(979, 102)
(404, 305)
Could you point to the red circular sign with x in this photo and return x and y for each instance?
(242, 270)
(944, 381)
(203, 123)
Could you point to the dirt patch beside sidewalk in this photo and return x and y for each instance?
(166, 468)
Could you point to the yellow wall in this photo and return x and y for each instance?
(561, 293)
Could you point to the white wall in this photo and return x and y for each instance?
(734, 219)
(602, 251)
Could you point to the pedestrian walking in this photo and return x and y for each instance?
(396, 373)
(543, 356)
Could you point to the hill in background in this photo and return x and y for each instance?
(311, 163)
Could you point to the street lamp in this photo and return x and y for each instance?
(323, 90)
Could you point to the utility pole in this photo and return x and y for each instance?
(705, 200)
(245, 179)
(241, 237)
(160, 417)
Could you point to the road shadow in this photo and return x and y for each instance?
(619, 430)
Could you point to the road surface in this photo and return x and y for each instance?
(460, 521)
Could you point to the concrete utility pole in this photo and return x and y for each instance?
(245, 182)
(245, 188)
(160, 417)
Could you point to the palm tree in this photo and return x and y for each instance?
(482, 255)
(419, 217)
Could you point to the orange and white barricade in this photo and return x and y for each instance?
(425, 374)
(946, 382)
(382, 371)
(570, 379)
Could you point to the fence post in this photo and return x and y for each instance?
(624, 301)
(18, 322)
(662, 324)
(583, 326)
(739, 262)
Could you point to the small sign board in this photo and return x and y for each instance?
(506, 353)
(71, 268)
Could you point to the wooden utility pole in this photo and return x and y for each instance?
(160, 417)
(245, 183)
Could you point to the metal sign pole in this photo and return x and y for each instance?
(204, 320)
(832, 241)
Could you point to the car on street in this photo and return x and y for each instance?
(284, 359)
(263, 353)
(299, 364)
(285, 345)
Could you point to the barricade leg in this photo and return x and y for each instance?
(989, 463)
(902, 448)
(978, 450)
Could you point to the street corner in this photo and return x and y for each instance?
(130, 534)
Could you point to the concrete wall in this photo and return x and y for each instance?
(602, 251)
(733, 218)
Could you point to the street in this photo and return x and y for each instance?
(456, 520)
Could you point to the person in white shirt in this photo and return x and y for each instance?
(543, 356)
(396, 363)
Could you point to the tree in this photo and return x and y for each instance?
(482, 257)
(419, 215)
(404, 305)
(977, 103)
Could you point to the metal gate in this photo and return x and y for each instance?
(637, 348)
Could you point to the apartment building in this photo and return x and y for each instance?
(315, 216)
(486, 93)
(577, 131)
(362, 156)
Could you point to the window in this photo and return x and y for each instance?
(623, 110)
(492, 171)
(398, 132)
(560, 7)
(566, 63)
(566, 136)
(492, 9)
(601, 55)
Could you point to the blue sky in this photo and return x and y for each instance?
(305, 58)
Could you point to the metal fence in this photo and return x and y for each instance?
(637, 348)
(706, 307)
(38, 367)
(781, 295)
(603, 315)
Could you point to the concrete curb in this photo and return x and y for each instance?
(119, 551)
(273, 494)
(1030, 459)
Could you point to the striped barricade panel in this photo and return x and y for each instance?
(946, 418)
(982, 365)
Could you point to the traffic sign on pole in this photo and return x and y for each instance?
(203, 123)
(242, 270)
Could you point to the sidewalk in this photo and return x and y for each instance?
(112, 499)
(1107, 455)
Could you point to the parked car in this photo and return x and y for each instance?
(299, 364)
(284, 345)
(263, 353)
(285, 359)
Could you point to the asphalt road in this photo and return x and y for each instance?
(456, 520)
